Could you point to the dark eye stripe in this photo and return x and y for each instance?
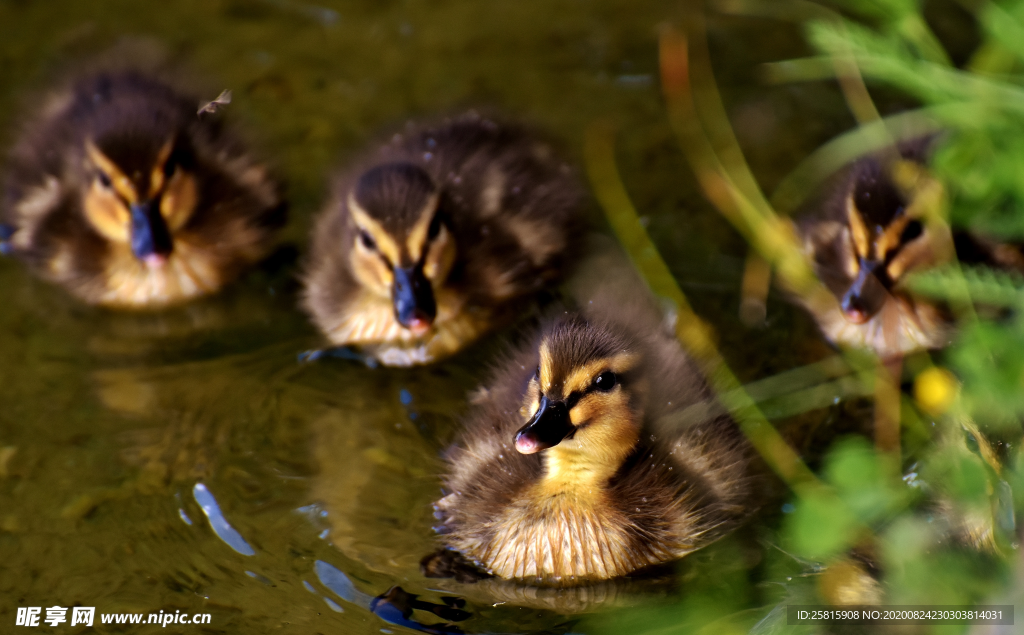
(911, 231)
(604, 382)
(435, 227)
(573, 399)
(367, 240)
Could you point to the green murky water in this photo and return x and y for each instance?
(108, 421)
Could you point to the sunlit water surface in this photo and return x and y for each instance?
(185, 460)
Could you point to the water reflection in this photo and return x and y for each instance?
(642, 587)
(396, 606)
(378, 459)
(219, 524)
(332, 578)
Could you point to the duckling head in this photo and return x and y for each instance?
(884, 240)
(139, 190)
(583, 407)
(403, 246)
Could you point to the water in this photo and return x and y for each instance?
(118, 430)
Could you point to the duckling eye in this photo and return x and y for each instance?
(104, 180)
(169, 168)
(606, 381)
(367, 240)
(911, 231)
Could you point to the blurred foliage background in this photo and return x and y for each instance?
(936, 523)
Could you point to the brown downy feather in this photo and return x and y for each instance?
(623, 490)
(113, 138)
(482, 215)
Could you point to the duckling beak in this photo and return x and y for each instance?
(865, 296)
(546, 429)
(150, 237)
(413, 296)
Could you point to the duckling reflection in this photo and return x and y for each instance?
(376, 463)
(567, 472)
(864, 239)
(119, 192)
(197, 420)
(429, 244)
(396, 606)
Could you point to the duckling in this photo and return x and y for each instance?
(120, 192)
(570, 469)
(864, 238)
(439, 237)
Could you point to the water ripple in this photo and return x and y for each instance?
(218, 523)
(332, 578)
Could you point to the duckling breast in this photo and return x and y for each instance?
(560, 540)
(188, 273)
(903, 325)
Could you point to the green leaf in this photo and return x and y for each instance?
(855, 469)
(987, 357)
(820, 527)
(986, 286)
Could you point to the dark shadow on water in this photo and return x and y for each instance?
(396, 606)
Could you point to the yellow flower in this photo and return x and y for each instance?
(935, 389)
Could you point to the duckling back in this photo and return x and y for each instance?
(119, 191)
(611, 483)
(429, 242)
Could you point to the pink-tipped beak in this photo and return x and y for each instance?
(525, 444)
(155, 261)
(418, 326)
(855, 317)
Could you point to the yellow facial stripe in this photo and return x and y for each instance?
(156, 175)
(858, 230)
(914, 256)
(417, 238)
(372, 273)
(889, 240)
(106, 213)
(440, 256)
(385, 243)
(546, 368)
(531, 400)
(581, 378)
(594, 405)
(179, 200)
(121, 183)
(898, 267)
